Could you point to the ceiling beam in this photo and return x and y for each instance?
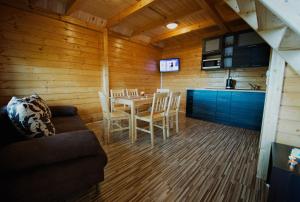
(127, 12)
(213, 13)
(237, 25)
(164, 21)
(183, 30)
(31, 3)
(72, 7)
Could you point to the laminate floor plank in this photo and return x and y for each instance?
(204, 162)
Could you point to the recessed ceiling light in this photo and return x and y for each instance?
(172, 25)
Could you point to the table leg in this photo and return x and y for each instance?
(133, 134)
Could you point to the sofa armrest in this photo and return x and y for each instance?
(63, 110)
(44, 151)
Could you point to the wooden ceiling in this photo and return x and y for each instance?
(145, 20)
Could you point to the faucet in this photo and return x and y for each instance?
(254, 86)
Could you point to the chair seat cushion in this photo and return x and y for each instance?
(119, 114)
(172, 112)
(121, 108)
(146, 116)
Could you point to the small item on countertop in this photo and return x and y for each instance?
(254, 86)
(293, 160)
(142, 93)
(296, 153)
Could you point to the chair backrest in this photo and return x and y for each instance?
(174, 102)
(104, 105)
(162, 90)
(114, 93)
(117, 92)
(159, 104)
(132, 92)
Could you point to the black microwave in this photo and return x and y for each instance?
(214, 63)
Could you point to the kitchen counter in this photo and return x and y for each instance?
(234, 90)
(241, 108)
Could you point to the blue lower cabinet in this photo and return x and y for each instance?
(223, 107)
(204, 104)
(242, 109)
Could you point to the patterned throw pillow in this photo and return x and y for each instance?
(40, 102)
(30, 117)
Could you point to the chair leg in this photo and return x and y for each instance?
(168, 126)
(171, 122)
(121, 124)
(152, 133)
(98, 190)
(130, 128)
(164, 127)
(135, 131)
(108, 131)
(177, 123)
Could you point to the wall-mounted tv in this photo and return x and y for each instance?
(169, 65)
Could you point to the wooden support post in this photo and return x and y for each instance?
(105, 69)
(271, 111)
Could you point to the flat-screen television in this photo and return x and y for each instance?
(169, 65)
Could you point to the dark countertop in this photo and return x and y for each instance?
(223, 89)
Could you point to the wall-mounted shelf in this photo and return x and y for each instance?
(242, 49)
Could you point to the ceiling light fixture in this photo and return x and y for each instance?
(172, 25)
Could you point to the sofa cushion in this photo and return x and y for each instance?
(9, 132)
(67, 123)
(56, 182)
(63, 110)
(27, 155)
(29, 118)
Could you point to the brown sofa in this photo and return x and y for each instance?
(49, 168)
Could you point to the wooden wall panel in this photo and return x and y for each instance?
(132, 65)
(59, 61)
(288, 130)
(191, 75)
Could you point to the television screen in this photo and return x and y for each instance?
(169, 65)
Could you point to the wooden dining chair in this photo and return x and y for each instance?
(163, 90)
(157, 114)
(113, 118)
(115, 93)
(132, 92)
(173, 111)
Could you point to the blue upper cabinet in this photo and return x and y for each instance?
(242, 109)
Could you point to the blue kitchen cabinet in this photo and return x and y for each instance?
(223, 107)
(248, 109)
(242, 109)
(204, 104)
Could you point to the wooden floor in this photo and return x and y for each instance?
(203, 162)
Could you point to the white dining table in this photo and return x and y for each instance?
(133, 102)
